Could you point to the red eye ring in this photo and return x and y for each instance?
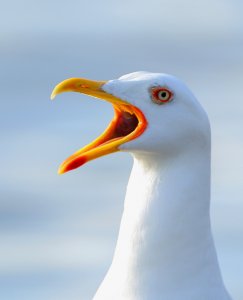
(161, 95)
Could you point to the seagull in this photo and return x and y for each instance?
(165, 248)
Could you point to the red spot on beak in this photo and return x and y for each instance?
(72, 163)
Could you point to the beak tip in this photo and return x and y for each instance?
(53, 95)
(61, 170)
(71, 164)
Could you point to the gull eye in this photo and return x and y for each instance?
(161, 95)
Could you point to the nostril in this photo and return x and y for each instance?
(84, 86)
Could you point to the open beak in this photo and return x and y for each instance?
(127, 124)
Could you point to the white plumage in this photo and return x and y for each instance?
(165, 249)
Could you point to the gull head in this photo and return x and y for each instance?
(154, 113)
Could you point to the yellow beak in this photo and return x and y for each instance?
(128, 123)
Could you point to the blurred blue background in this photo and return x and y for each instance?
(58, 233)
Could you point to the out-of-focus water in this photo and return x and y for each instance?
(58, 233)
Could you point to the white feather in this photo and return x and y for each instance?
(165, 249)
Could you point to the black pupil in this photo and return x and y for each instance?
(163, 94)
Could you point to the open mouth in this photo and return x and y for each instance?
(122, 125)
(127, 124)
